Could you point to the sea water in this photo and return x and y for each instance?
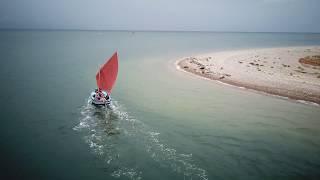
(164, 124)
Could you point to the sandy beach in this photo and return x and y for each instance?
(292, 72)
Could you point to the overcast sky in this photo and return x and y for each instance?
(185, 15)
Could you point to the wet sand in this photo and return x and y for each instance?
(272, 70)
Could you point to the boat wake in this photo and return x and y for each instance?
(109, 132)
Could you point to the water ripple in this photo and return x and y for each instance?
(102, 129)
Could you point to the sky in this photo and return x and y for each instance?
(163, 15)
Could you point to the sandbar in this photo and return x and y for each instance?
(285, 71)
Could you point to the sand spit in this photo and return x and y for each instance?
(278, 71)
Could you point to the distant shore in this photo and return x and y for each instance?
(293, 72)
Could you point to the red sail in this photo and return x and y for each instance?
(107, 75)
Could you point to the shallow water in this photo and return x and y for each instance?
(165, 124)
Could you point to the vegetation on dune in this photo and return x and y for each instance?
(311, 60)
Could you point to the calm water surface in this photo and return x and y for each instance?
(165, 124)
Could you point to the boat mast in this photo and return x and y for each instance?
(99, 78)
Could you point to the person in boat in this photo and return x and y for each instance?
(100, 95)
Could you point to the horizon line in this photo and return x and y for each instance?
(151, 30)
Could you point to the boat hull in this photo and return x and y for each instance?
(104, 102)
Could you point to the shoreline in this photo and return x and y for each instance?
(275, 71)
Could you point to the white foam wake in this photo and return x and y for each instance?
(101, 127)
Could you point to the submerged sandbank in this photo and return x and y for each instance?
(278, 71)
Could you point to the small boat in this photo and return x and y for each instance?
(106, 78)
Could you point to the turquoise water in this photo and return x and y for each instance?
(165, 124)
